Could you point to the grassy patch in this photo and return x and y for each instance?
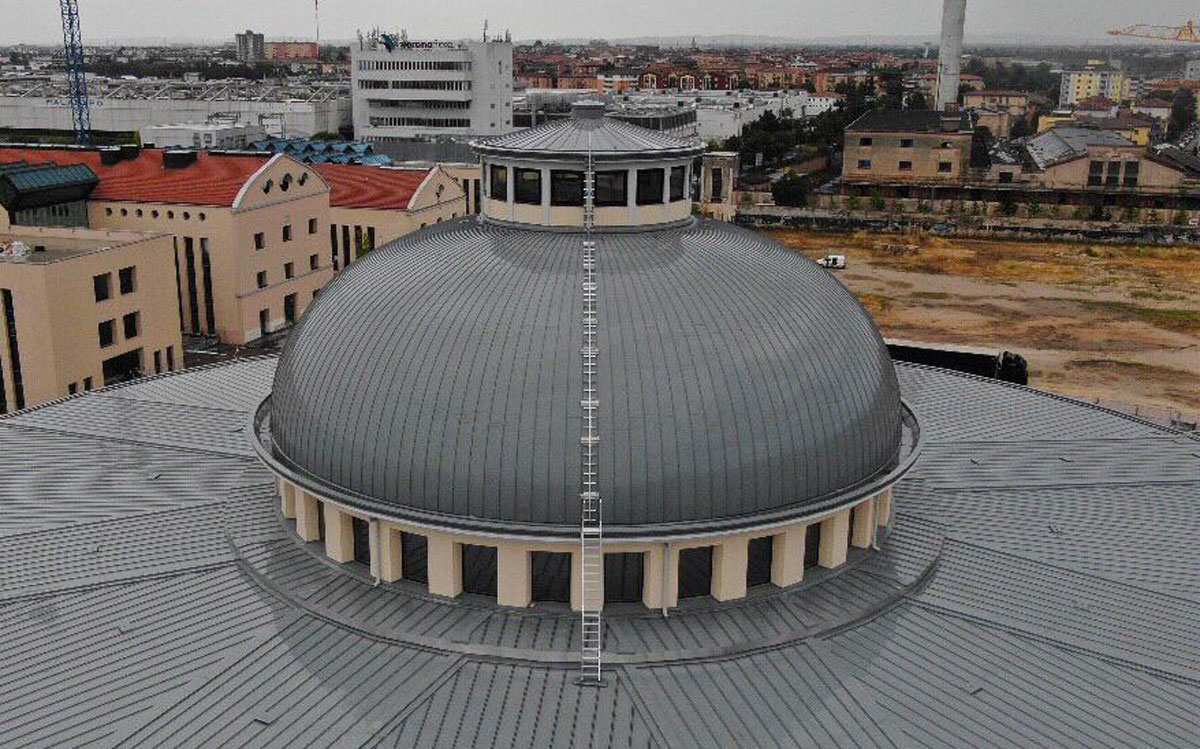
(1158, 296)
(1176, 320)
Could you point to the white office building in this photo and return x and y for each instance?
(406, 89)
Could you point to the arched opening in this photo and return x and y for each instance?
(624, 577)
(695, 572)
(812, 546)
(414, 557)
(758, 563)
(551, 576)
(479, 565)
(362, 540)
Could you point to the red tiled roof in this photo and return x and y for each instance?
(370, 186)
(211, 180)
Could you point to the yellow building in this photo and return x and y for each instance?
(1090, 82)
(82, 309)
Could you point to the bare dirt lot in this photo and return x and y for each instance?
(1118, 323)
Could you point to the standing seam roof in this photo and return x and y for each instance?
(727, 394)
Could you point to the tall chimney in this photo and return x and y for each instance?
(954, 16)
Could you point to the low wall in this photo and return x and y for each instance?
(968, 226)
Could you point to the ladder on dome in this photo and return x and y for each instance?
(591, 525)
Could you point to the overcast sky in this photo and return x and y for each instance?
(38, 20)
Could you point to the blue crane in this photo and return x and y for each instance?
(76, 84)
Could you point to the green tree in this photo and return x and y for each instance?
(790, 190)
(1183, 114)
(981, 148)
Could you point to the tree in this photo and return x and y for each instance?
(918, 100)
(1020, 128)
(790, 190)
(1183, 114)
(893, 90)
(981, 148)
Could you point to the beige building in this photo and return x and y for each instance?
(255, 237)
(249, 233)
(916, 147)
(371, 206)
(1015, 103)
(82, 309)
(719, 172)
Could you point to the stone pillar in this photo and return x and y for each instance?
(445, 566)
(834, 537)
(577, 584)
(883, 506)
(514, 584)
(730, 558)
(864, 524)
(787, 557)
(308, 526)
(652, 574)
(339, 534)
(287, 493)
(390, 554)
(631, 195)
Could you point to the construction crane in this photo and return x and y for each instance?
(76, 84)
(1185, 33)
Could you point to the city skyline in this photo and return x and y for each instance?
(109, 20)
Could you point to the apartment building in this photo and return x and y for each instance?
(404, 89)
(249, 233)
(1093, 81)
(82, 309)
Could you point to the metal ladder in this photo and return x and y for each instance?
(591, 525)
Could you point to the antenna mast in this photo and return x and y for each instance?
(591, 527)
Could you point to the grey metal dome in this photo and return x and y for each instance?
(588, 130)
(439, 379)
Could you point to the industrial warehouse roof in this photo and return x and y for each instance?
(1061, 144)
(214, 179)
(1041, 587)
(371, 187)
(588, 129)
(759, 392)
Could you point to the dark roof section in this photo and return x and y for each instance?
(911, 121)
(1042, 605)
(1184, 159)
(24, 186)
(726, 396)
(608, 139)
